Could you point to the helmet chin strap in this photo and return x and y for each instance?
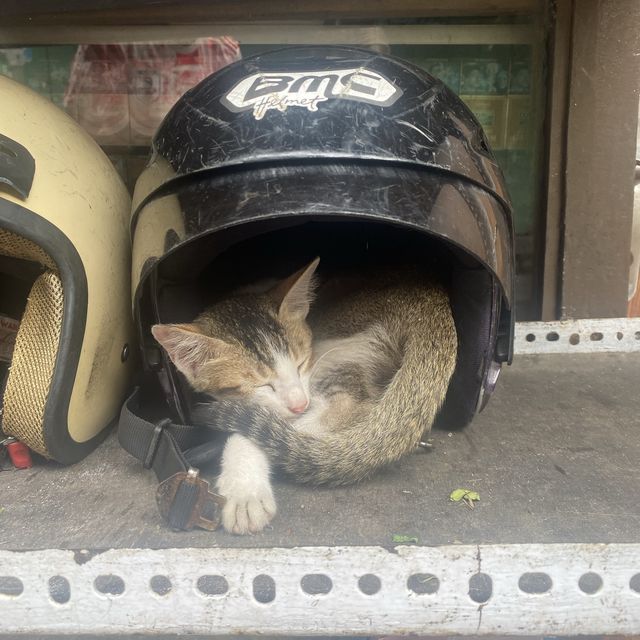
(172, 450)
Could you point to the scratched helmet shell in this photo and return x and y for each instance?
(337, 151)
(64, 277)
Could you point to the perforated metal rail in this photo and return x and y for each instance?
(578, 336)
(516, 589)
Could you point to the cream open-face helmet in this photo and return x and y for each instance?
(64, 279)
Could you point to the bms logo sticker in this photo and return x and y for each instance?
(263, 91)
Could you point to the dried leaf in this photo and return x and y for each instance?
(401, 539)
(464, 494)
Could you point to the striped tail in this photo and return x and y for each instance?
(385, 433)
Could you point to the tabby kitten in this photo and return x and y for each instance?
(332, 411)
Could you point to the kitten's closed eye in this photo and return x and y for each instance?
(266, 386)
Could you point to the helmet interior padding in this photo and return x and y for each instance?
(268, 252)
(36, 346)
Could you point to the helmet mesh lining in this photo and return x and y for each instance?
(36, 348)
(16, 246)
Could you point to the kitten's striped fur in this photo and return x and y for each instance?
(415, 333)
(384, 350)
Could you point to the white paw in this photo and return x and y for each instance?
(244, 482)
(247, 512)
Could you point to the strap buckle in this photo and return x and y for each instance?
(185, 502)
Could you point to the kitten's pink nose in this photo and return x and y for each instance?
(297, 400)
(299, 406)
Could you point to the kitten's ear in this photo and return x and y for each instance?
(188, 348)
(294, 294)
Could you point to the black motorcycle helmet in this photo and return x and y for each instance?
(330, 151)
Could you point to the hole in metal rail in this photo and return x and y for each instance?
(160, 585)
(480, 587)
(10, 586)
(535, 583)
(590, 583)
(530, 337)
(553, 336)
(264, 589)
(423, 583)
(369, 584)
(59, 589)
(110, 585)
(316, 584)
(574, 339)
(619, 335)
(213, 585)
(634, 583)
(596, 336)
